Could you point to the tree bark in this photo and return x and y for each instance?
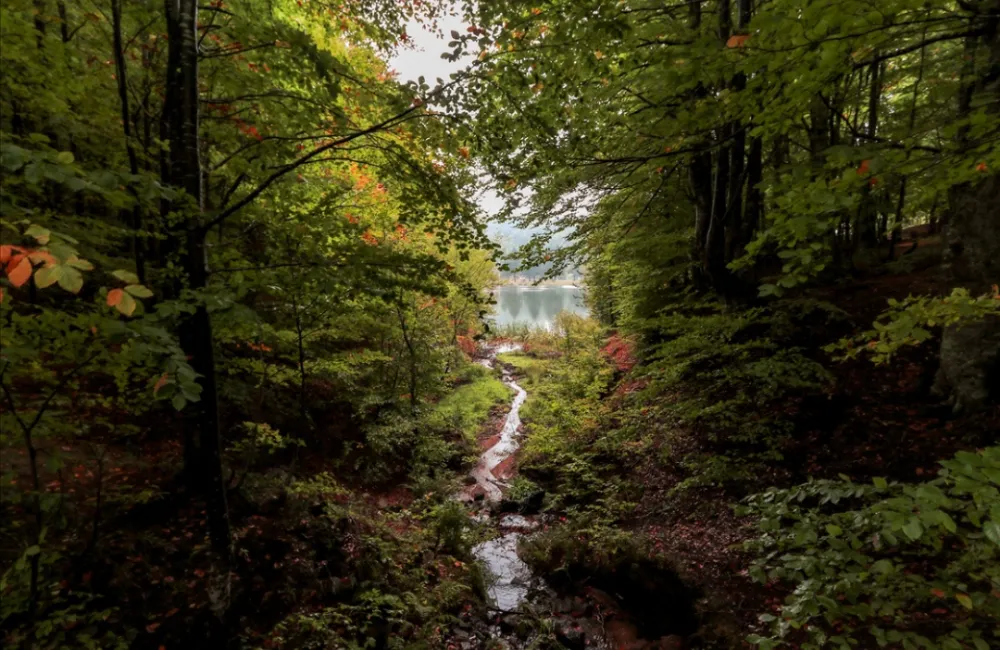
(196, 336)
(121, 70)
(969, 374)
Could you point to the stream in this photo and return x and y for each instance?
(586, 618)
(510, 577)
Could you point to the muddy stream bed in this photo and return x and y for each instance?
(524, 606)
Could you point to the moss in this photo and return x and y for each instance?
(465, 409)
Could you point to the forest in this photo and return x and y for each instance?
(252, 394)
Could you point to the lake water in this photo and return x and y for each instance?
(535, 306)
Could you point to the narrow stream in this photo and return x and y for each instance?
(510, 578)
(590, 618)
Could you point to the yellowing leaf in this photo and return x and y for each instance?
(40, 234)
(139, 291)
(965, 600)
(43, 257)
(70, 279)
(126, 305)
(47, 276)
(126, 276)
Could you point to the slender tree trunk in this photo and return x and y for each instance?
(866, 226)
(196, 331)
(700, 178)
(411, 348)
(121, 70)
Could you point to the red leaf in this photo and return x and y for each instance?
(6, 250)
(737, 40)
(863, 167)
(981, 167)
(19, 270)
(115, 296)
(152, 627)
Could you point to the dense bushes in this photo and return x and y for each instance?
(894, 564)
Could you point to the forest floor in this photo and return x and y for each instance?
(325, 548)
(871, 421)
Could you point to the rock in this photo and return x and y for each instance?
(671, 642)
(602, 599)
(562, 605)
(533, 503)
(622, 633)
(970, 361)
(570, 633)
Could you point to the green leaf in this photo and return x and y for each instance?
(139, 291)
(126, 305)
(965, 600)
(77, 263)
(913, 529)
(834, 530)
(47, 276)
(70, 279)
(992, 531)
(882, 566)
(65, 158)
(33, 550)
(880, 482)
(126, 276)
(40, 234)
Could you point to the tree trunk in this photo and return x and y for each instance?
(970, 354)
(196, 331)
(866, 225)
(121, 70)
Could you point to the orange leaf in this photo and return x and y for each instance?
(115, 296)
(152, 627)
(160, 383)
(981, 167)
(863, 168)
(737, 40)
(6, 250)
(937, 592)
(19, 270)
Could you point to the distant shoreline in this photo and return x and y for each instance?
(546, 283)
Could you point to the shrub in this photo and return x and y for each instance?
(911, 566)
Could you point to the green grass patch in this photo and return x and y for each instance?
(466, 408)
(530, 371)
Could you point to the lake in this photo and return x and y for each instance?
(535, 306)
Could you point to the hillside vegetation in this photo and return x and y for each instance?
(245, 298)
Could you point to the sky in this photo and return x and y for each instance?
(424, 58)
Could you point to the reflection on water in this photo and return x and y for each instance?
(535, 306)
